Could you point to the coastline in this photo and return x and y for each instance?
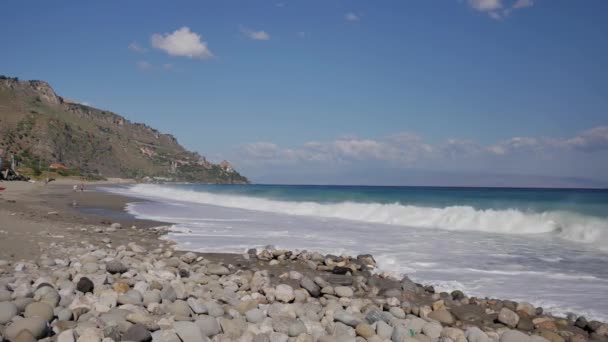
(40, 222)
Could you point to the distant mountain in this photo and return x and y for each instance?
(41, 128)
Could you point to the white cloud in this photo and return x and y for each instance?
(497, 9)
(485, 5)
(407, 149)
(590, 140)
(135, 47)
(350, 16)
(144, 65)
(255, 35)
(182, 43)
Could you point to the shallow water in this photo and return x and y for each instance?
(550, 256)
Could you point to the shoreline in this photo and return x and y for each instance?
(40, 223)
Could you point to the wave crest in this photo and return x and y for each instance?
(567, 225)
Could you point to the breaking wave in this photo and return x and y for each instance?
(566, 225)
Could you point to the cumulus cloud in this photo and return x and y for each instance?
(408, 149)
(255, 35)
(351, 16)
(590, 140)
(182, 43)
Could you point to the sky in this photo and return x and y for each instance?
(408, 92)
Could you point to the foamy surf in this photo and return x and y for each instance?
(537, 265)
(567, 225)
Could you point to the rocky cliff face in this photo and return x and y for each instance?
(40, 127)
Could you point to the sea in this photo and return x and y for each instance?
(548, 247)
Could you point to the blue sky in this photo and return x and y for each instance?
(375, 92)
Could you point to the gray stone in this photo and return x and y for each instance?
(136, 333)
(310, 286)
(197, 306)
(165, 336)
(384, 330)
(513, 336)
(188, 331)
(35, 325)
(214, 309)
(432, 330)
(47, 294)
(8, 310)
(63, 314)
(208, 326)
(397, 312)
(66, 336)
(115, 266)
(180, 308)
(284, 293)
(39, 309)
(168, 294)
(455, 334)
(443, 316)
(508, 317)
(151, 296)
(188, 258)
(400, 333)
(216, 269)
(255, 316)
(24, 336)
(296, 328)
(131, 297)
(346, 318)
(474, 334)
(233, 327)
(343, 291)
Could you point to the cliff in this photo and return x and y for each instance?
(40, 128)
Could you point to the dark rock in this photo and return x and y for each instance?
(374, 315)
(41, 285)
(594, 325)
(340, 270)
(429, 289)
(457, 295)
(184, 273)
(137, 333)
(339, 279)
(310, 286)
(581, 322)
(115, 266)
(85, 285)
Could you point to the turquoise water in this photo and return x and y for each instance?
(545, 246)
(584, 201)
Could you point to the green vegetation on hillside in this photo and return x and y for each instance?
(40, 128)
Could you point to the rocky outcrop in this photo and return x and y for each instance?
(40, 127)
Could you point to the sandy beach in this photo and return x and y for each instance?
(75, 267)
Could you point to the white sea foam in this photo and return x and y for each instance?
(533, 265)
(567, 225)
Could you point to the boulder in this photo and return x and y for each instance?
(508, 317)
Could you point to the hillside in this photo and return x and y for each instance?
(40, 128)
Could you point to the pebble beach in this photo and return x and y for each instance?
(74, 267)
